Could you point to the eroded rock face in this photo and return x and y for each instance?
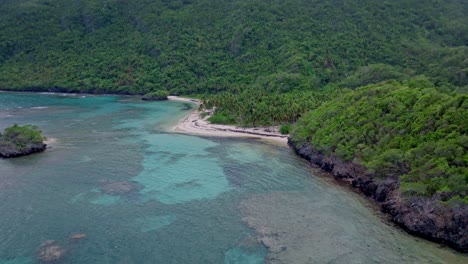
(119, 187)
(424, 217)
(50, 251)
(10, 151)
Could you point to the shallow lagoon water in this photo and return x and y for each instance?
(199, 200)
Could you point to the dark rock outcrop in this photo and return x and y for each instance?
(424, 217)
(11, 151)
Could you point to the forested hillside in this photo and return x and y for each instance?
(406, 131)
(206, 46)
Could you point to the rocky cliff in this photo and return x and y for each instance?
(12, 151)
(421, 216)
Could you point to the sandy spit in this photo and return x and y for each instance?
(195, 125)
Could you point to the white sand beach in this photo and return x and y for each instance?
(196, 125)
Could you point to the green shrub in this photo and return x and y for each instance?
(222, 119)
(21, 136)
(284, 129)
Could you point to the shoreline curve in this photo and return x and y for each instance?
(195, 125)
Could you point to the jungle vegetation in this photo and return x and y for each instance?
(324, 64)
(201, 47)
(406, 130)
(156, 95)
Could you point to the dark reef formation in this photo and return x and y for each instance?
(421, 216)
(50, 252)
(12, 151)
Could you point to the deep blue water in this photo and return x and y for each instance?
(198, 199)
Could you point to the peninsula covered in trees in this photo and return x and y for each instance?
(375, 91)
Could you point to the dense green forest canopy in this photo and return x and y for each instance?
(206, 46)
(409, 131)
(156, 95)
(22, 135)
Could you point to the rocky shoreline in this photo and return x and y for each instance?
(424, 217)
(11, 152)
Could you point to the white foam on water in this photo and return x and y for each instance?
(39, 107)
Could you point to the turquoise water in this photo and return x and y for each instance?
(193, 199)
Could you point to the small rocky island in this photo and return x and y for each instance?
(16, 141)
(156, 96)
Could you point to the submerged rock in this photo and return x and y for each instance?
(77, 236)
(272, 244)
(50, 251)
(119, 187)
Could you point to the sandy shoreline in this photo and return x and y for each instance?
(195, 125)
(184, 99)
